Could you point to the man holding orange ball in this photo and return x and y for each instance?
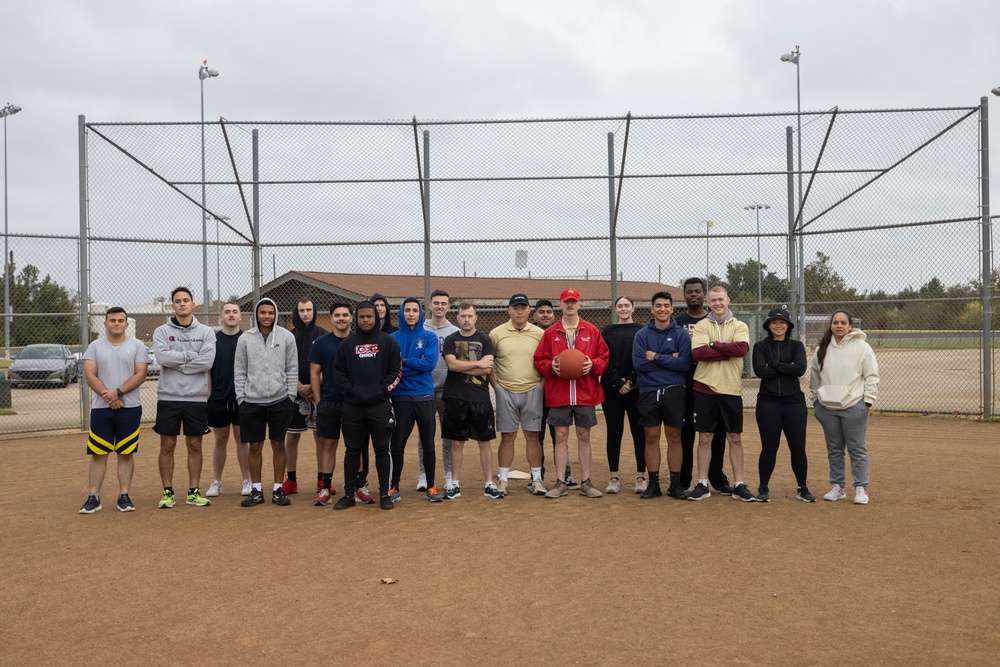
(572, 400)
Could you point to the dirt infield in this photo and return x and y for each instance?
(909, 579)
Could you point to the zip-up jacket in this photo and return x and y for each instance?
(265, 372)
(559, 391)
(723, 343)
(779, 364)
(368, 367)
(849, 373)
(668, 370)
(185, 355)
(418, 348)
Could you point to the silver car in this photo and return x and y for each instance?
(43, 365)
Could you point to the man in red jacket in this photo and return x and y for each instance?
(572, 401)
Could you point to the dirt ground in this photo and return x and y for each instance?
(909, 579)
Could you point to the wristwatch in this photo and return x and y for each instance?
(656, 356)
(120, 392)
(711, 344)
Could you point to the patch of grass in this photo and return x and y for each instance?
(5, 411)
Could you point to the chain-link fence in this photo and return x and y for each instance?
(884, 218)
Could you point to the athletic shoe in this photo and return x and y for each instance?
(278, 497)
(804, 495)
(346, 502)
(452, 492)
(860, 496)
(256, 497)
(836, 493)
(491, 491)
(386, 503)
(537, 487)
(557, 491)
(763, 494)
(167, 501)
(675, 491)
(641, 484)
(700, 492)
(432, 495)
(422, 483)
(288, 487)
(587, 489)
(195, 498)
(571, 483)
(363, 495)
(742, 492)
(394, 495)
(614, 486)
(247, 488)
(503, 486)
(125, 503)
(724, 489)
(323, 499)
(92, 505)
(214, 489)
(651, 491)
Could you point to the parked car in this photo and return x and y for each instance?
(43, 365)
(153, 366)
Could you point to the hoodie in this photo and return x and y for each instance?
(779, 364)
(186, 355)
(387, 325)
(265, 371)
(849, 374)
(367, 367)
(725, 341)
(418, 348)
(668, 370)
(305, 335)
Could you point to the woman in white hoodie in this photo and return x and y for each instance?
(843, 385)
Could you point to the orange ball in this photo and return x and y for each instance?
(571, 363)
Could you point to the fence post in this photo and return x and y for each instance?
(427, 217)
(256, 218)
(611, 216)
(792, 273)
(83, 280)
(984, 184)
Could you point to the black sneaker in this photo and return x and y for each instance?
(344, 503)
(742, 492)
(92, 505)
(700, 492)
(652, 491)
(725, 488)
(385, 502)
(125, 503)
(675, 491)
(278, 497)
(804, 495)
(256, 497)
(763, 494)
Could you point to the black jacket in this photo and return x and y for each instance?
(305, 334)
(368, 366)
(779, 365)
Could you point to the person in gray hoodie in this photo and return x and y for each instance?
(266, 375)
(185, 350)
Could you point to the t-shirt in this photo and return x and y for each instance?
(515, 352)
(223, 388)
(115, 365)
(324, 352)
(473, 388)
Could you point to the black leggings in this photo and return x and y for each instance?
(424, 415)
(772, 419)
(615, 409)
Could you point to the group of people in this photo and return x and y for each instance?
(369, 381)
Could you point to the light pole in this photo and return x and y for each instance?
(755, 207)
(794, 57)
(218, 264)
(204, 73)
(8, 110)
(708, 230)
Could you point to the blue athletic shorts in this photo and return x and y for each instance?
(114, 431)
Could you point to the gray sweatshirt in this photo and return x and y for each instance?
(185, 355)
(266, 373)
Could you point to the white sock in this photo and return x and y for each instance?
(447, 481)
(277, 485)
(503, 474)
(536, 473)
(256, 485)
(703, 481)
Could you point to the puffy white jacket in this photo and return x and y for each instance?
(849, 374)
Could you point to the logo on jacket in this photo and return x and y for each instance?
(420, 343)
(366, 351)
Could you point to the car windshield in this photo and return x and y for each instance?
(41, 353)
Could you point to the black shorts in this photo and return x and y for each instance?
(256, 421)
(301, 422)
(713, 409)
(663, 406)
(223, 413)
(171, 415)
(328, 415)
(468, 420)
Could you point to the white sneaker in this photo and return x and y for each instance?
(247, 488)
(860, 496)
(613, 486)
(422, 483)
(214, 489)
(640, 484)
(836, 493)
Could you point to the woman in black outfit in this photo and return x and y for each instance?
(621, 396)
(779, 362)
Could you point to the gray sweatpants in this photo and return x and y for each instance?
(846, 429)
(445, 443)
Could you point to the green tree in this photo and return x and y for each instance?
(741, 281)
(31, 295)
(823, 283)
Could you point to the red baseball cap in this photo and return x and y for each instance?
(569, 295)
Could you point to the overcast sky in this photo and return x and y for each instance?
(138, 61)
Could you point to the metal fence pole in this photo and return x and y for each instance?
(83, 280)
(611, 216)
(256, 218)
(792, 286)
(984, 184)
(427, 217)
